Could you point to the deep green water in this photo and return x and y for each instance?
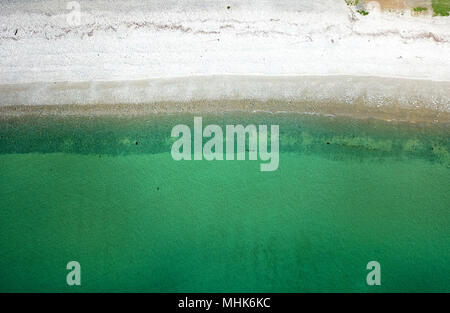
(346, 192)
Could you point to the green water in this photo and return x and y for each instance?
(106, 193)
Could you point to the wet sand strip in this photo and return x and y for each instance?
(359, 97)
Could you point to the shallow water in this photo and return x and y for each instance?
(107, 193)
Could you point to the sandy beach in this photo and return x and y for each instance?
(295, 56)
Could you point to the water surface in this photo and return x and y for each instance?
(104, 191)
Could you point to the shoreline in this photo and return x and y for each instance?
(216, 107)
(396, 99)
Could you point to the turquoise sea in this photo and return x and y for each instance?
(105, 191)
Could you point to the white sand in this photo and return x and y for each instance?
(120, 41)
